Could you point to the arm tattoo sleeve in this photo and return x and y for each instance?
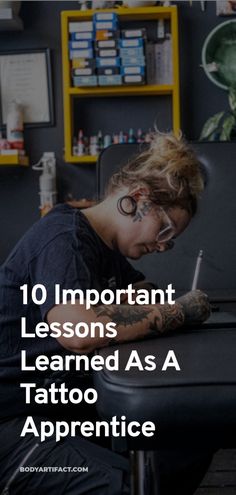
(123, 315)
(172, 317)
(196, 306)
(167, 318)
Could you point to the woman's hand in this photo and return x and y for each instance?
(196, 306)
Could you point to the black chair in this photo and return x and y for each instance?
(213, 228)
(199, 404)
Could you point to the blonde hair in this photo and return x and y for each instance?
(170, 170)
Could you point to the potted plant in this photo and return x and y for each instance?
(222, 125)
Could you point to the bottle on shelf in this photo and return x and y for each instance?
(121, 137)
(126, 137)
(131, 138)
(99, 141)
(15, 126)
(107, 140)
(86, 145)
(115, 138)
(75, 147)
(93, 147)
(81, 147)
(47, 181)
(140, 136)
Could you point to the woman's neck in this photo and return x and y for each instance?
(100, 220)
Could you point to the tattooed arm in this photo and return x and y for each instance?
(132, 322)
(143, 284)
(196, 306)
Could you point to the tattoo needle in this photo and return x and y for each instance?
(197, 270)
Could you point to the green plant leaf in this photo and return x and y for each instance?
(210, 126)
(227, 127)
(232, 99)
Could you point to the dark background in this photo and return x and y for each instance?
(200, 99)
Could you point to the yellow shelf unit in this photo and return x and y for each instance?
(123, 90)
(69, 93)
(14, 160)
(83, 159)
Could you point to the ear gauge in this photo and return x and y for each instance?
(127, 205)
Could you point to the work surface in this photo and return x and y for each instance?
(195, 405)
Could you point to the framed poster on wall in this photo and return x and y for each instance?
(25, 77)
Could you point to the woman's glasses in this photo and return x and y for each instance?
(167, 231)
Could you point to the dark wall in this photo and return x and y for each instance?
(199, 99)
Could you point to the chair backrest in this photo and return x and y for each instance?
(110, 160)
(213, 229)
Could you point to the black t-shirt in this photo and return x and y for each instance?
(62, 248)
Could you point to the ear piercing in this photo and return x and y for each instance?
(127, 205)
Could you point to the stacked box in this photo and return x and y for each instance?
(105, 35)
(133, 33)
(81, 53)
(98, 56)
(132, 54)
(107, 48)
(105, 21)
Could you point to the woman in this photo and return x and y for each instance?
(149, 203)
